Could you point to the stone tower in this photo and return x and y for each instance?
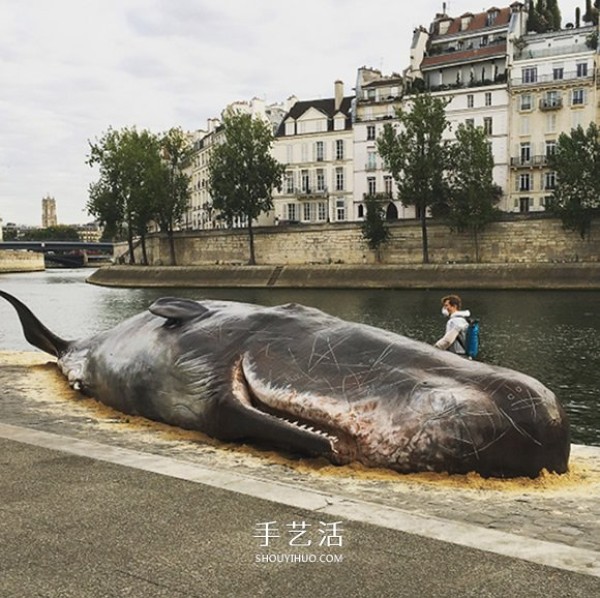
(49, 212)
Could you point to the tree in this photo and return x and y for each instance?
(576, 161)
(129, 187)
(374, 229)
(60, 232)
(544, 15)
(242, 172)
(472, 193)
(415, 156)
(176, 192)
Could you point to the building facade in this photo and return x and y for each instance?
(315, 141)
(553, 88)
(377, 99)
(466, 60)
(201, 214)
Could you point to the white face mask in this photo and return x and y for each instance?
(445, 312)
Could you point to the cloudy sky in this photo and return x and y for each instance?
(70, 69)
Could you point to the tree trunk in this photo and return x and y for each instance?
(144, 253)
(130, 242)
(252, 261)
(171, 245)
(424, 234)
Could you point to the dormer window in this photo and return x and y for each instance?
(492, 15)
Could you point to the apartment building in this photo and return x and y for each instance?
(315, 141)
(201, 214)
(465, 60)
(553, 87)
(377, 98)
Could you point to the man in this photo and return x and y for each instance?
(456, 327)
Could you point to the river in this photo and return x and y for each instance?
(551, 335)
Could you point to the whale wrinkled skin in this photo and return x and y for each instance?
(298, 379)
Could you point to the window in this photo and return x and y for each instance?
(525, 203)
(578, 97)
(525, 182)
(551, 123)
(340, 209)
(361, 211)
(550, 148)
(320, 179)
(524, 125)
(292, 214)
(371, 160)
(304, 181)
(582, 69)
(308, 211)
(470, 100)
(289, 182)
(525, 153)
(387, 184)
(371, 185)
(529, 74)
(470, 122)
(549, 180)
(339, 149)
(488, 98)
(526, 101)
(370, 132)
(322, 211)
(558, 73)
(487, 125)
(552, 99)
(320, 151)
(339, 179)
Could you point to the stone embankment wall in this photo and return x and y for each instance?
(526, 240)
(21, 261)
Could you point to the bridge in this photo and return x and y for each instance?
(46, 246)
(65, 253)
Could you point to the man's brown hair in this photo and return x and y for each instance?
(453, 300)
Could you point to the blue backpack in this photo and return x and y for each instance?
(471, 342)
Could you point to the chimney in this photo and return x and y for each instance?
(339, 94)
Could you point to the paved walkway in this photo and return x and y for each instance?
(554, 521)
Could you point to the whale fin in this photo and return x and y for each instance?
(35, 332)
(175, 310)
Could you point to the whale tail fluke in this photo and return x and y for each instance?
(35, 332)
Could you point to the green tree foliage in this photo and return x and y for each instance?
(130, 185)
(576, 198)
(242, 172)
(591, 12)
(472, 193)
(544, 15)
(374, 229)
(172, 204)
(61, 232)
(415, 156)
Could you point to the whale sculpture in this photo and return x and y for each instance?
(301, 380)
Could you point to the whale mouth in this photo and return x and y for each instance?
(297, 432)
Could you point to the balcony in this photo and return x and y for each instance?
(529, 162)
(551, 104)
(311, 193)
(534, 80)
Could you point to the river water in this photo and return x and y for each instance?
(551, 335)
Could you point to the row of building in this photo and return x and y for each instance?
(523, 88)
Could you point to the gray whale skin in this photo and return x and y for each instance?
(300, 380)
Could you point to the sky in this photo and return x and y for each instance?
(71, 69)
